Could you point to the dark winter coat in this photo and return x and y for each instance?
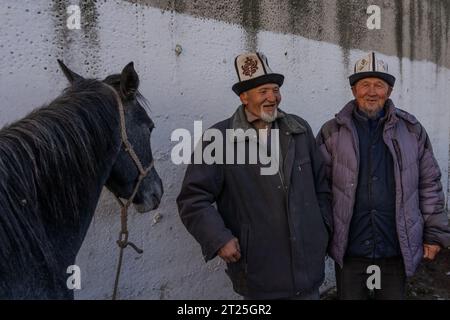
(278, 219)
(419, 198)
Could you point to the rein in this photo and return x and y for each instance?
(123, 242)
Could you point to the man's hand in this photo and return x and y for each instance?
(430, 251)
(231, 252)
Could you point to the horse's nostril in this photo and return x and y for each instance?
(156, 199)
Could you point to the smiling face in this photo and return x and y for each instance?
(371, 95)
(262, 101)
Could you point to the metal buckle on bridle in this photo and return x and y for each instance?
(123, 242)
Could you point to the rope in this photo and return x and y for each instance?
(123, 242)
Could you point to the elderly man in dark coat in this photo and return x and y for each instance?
(271, 229)
(387, 197)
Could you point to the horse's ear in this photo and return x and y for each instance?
(70, 75)
(129, 81)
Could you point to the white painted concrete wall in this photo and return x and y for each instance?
(195, 85)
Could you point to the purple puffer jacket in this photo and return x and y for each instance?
(420, 215)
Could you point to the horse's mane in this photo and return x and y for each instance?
(45, 162)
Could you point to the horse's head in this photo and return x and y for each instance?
(124, 174)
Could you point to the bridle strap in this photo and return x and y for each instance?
(123, 242)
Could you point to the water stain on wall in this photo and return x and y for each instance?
(351, 25)
(65, 39)
(430, 21)
(413, 21)
(399, 31)
(59, 15)
(438, 27)
(90, 30)
(250, 13)
(424, 22)
(306, 16)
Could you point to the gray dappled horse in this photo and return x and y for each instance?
(53, 165)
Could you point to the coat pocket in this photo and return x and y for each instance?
(303, 164)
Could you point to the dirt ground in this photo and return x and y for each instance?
(431, 282)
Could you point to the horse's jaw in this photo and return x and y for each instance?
(143, 208)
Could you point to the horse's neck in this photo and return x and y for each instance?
(72, 177)
(53, 165)
(70, 240)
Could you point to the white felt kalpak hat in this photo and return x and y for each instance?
(253, 71)
(370, 66)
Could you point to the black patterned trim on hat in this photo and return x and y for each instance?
(262, 62)
(374, 62)
(390, 79)
(243, 86)
(237, 68)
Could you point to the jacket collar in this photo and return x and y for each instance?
(285, 121)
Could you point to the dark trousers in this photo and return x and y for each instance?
(351, 280)
(311, 295)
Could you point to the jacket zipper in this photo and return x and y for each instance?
(398, 153)
(400, 165)
(286, 199)
(372, 220)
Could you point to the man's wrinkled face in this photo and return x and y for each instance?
(371, 95)
(263, 101)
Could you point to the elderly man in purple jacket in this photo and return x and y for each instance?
(387, 197)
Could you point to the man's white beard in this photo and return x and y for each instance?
(372, 113)
(267, 117)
